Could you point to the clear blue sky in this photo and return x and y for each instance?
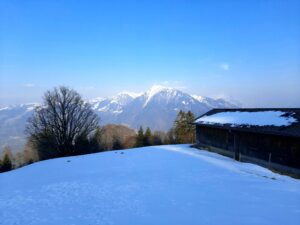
(244, 50)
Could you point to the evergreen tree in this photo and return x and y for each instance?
(191, 130)
(148, 137)
(180, 127)
(158, 137)
(157, 140)
(6, 164)
(171, 138)
(117, 145)
(183, 128)
(139, 141)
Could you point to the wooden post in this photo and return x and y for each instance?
(236, 153)
(270, 156)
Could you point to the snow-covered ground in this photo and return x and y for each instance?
(164, 185)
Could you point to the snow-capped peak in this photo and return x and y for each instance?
(94, 100)
(199, 98)
(130, 94)
(156, 108)
(120, 100)
(31, 106)
(113, 104)
(156, 89)
(5, 108)
(26, 106)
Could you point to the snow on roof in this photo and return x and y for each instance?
(239, 118)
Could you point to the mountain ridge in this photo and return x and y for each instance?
(155, 108)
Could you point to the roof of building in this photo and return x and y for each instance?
(277, 121)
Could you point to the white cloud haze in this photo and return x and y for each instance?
(224, 66)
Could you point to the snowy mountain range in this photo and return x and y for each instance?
(156, 108)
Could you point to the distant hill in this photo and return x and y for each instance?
(155, 108)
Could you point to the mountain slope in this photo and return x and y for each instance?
(154, 185)
(156, 108)
(12, 124)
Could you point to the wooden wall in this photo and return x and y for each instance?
(279, 149)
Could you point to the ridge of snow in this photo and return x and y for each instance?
(199, 98)
(155, 89)
(131, 94)
(240, 118)
(215, 102)
(5, 108)
(29, 106)
(124, 97)
(97, 99)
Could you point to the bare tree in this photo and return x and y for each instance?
(62, 124)
(114, 136)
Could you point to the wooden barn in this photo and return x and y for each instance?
(269, 137)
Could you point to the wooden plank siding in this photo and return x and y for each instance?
(283, 150)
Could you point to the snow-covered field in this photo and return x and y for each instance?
(164, 185)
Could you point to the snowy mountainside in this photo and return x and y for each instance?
(171, 184)
(215, 103)
(12, 124)
(156, 108)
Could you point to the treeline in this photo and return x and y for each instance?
(9, 161)
(6, 163)
(65, 126)
(183, 132)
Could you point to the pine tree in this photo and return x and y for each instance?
(183, 128)
(158, 138)
(148, 137)
(139, 141)
(171, 138)
(117, 145)
(191, 131)
(6, 164)
(180, 127)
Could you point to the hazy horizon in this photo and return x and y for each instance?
(240, 51)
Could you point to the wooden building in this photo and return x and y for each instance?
(269, 137)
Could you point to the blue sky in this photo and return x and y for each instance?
(248, 51)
